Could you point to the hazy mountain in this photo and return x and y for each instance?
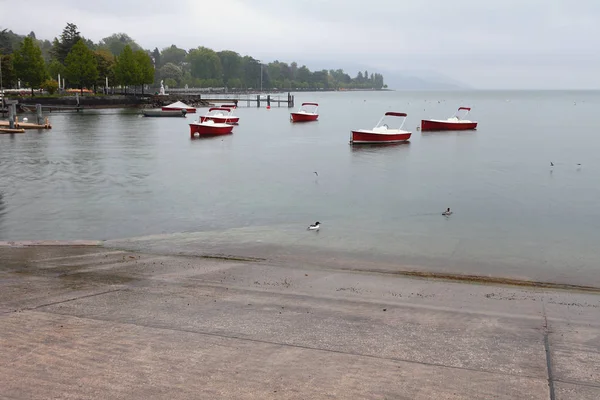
(400, 79)
(421, 80)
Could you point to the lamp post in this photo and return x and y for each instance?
(1, 88)
(261, 74)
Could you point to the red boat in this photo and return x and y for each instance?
(381, 133)
(221, 115)
(178, 106)
(307, 112)
(454, 123)
(228, 105)
(209, 128)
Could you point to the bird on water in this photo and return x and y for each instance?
(314, 227)
(447, 212)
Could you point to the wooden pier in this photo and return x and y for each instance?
(207, 99)
(50, 108)
(14, 126)
(26, 125)
(11, 131)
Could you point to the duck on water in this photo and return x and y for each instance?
(314, 227)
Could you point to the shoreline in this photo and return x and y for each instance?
(347, 264)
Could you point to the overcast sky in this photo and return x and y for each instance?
(499, 44)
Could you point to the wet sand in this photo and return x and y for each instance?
(89, 321)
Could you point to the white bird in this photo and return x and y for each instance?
(314, 227)
(447, 212)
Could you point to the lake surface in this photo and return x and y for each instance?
(112, 174)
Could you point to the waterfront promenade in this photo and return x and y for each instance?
(90, 322)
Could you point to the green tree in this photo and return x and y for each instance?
(170, 82)
(29, 64)
(205, 64)
(172, 72)
(144, 69)
(173, 55)
(303, 74)
(61, 48)
(50, 85)
(9, 41)
(55, 68)
(231, 63)
(46, 47)
(106, 67)
(156, 57)
(9, 75)
(126, 68)
(81, 66)
(250, 72)
(359, 77)
(116, 43)
(5, 42)
(234, 83)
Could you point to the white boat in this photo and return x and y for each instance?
(178, 105)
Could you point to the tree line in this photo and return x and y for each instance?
(82, 63)
(85, 64)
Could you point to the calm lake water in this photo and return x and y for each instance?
(111, 174)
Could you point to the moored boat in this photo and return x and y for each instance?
(307, 112)
(454, 123)
(382, 133)
(222, 115)
(178, 105)
(209, 128)
(163, 113)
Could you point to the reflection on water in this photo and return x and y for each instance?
(112, 173)
(2, 212)
(378, 147)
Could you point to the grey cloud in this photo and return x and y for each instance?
(487, 44)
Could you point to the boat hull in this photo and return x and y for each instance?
(163, 113)
(189, 110)
(359, 137)
(221, 120)
(430, 125)
(301, 117)
(207, 130)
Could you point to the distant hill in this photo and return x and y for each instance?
(421, 81)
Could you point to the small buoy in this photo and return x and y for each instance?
(268, 107)
(25, 119)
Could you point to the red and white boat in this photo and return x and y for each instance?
(209, 128)
(454, 123)
(178, 106)
(382, 133)
(307, 112)
(228, 106)
(222, 115)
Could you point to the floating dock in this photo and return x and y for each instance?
(11, 131)
(26, 125)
